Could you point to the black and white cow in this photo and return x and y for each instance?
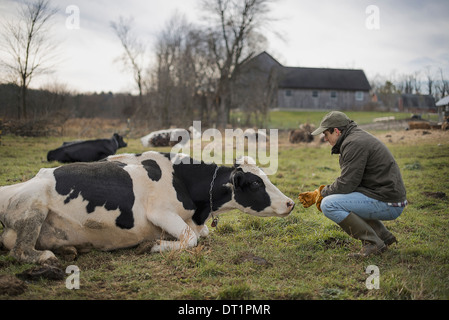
(165, 137)
(128, 200)
(86, 151)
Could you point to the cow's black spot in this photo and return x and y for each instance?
(182, 194)
(100, 184)
(153, 170)
(192, 184)
(250, 191)
(168, 155)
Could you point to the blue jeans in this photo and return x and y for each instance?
(338, 206)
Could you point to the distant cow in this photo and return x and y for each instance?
(303, 134)
(86, 151)
(413, 125)
(129, 200)
(300, 135)
(165, 137)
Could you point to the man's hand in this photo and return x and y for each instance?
(311, 197)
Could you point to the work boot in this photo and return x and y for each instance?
(382, 232)
(359, 229)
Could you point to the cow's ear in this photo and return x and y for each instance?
(237, 178)
(242, 160)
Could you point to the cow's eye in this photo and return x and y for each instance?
(255, 185)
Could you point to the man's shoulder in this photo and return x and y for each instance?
(359, 136)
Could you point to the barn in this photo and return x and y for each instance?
(309, 88)
(443, 108)
(320, 88)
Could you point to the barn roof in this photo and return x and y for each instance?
(312, 78)
(322, 78)
(443, 102)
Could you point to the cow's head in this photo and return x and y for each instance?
(121, 143)
(255, 194)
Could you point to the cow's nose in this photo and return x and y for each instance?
(290, 204)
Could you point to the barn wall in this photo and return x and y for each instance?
(304, 99)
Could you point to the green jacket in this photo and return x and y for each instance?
(367, 166)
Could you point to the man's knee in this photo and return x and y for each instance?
(331, 209)
(326, 205)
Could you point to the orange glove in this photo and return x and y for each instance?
(312, 197)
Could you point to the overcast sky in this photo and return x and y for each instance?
(385, 38)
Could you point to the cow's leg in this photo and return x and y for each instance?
(27, 227)
(7, 238)
(68, 253)
(2, 240)
(174, 225)
(200, 230)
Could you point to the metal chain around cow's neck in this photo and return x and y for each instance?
(215, 219)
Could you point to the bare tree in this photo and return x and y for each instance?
(430, 81)
(408, 84)
(183, 73)
(134, 54)
(28, 48)
(55, 97)
(442, 85)
(168, 50)
(236, 25)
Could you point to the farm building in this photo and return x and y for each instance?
(406, 102)
(416, 103)
(318, 88)
(443, 108)
(310, 88)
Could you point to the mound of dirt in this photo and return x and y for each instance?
(247, 256)
(11, 286)
(435, 195)
(42, 272)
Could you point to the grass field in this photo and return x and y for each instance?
(292, 119)
(303, 256)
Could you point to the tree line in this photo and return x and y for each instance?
(430, 81)
(194, 70)
(199, 71)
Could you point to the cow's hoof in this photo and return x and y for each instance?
(204, 232)
(68, 253)
(145, 246)
(48, 258)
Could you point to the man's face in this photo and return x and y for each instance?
(332, 137)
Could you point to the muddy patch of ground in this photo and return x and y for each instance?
(438, 137)
(11, 286)
(247, 256)
(435, 195)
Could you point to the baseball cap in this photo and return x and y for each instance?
(334, 119)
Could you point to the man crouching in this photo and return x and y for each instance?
(369, 189)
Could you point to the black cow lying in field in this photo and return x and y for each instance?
(86, 151)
